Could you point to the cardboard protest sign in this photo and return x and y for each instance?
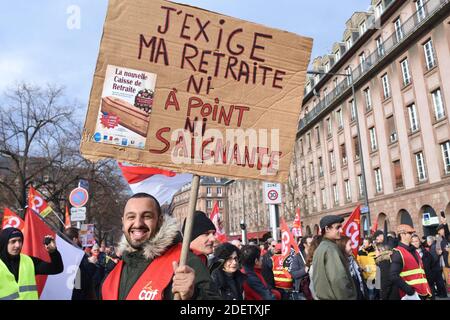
(189, 90)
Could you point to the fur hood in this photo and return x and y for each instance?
(167, 235)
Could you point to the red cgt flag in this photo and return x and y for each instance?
(297, 226)
(287, 240)
(215, 218)
(352, 227)
(37, 203)
(12, 219)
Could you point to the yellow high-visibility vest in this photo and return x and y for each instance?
(26, 288)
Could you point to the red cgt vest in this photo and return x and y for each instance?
(282, 277)
(412, 273)
(150, 284)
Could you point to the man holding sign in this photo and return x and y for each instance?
(151, 252)
(331, 276)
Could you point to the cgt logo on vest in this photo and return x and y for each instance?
(147, 293)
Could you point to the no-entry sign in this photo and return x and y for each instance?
(78, 197)
(272, 193)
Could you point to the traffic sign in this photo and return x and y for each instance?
(78, 214)
(272, 193)
(364, 209)
(78, 197)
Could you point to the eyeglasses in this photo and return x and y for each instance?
(231, 259)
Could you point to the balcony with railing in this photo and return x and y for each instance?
(408, 27)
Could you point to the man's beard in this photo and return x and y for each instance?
(136, 244)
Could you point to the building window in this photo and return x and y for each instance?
(352, 110)
(379, 9)
(378, 182)
(373, 139)
(362, 61)
(337, 54)
(320, 167)
(362, 27)
(429, 54)
(360, 186)
(303, 175)
(420, 164)
(398, 29)
(340, 119)
(348, 72)
(356, 147)
(209, 204)
(219, 191)
(208, 191)
(368, 99)
(344, 155)
(327, 66)
(348, 43)
(413, 120)
(439, 112)
(398, 174)
(220, 204)
(348, 192)
(380, 46)
(386, 88)
(392, 132)
(309, 141)
(446, 156)
(405, 72)
(330, 129)
(314, 201)
(332, 160)
(324, 198)
(336, 194)
(420, 10)
(311, 171)
(301, 147)
(317, 135)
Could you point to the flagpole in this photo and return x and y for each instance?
(189, 223)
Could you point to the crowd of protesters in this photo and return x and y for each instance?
(387, 266)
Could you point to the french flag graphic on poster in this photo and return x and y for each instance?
(12, 219)
(162, 184)
(52, 287)
(215, 218)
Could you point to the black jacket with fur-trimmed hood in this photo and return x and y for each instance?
(135, 262)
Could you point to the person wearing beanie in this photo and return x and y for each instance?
(203, 236)
(226, 274)
(151, 252)
(17, 270)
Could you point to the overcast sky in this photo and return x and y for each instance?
(36, 45)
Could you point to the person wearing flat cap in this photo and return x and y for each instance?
(203, 236)
(407, 271)
(331, 277)
(18, 270)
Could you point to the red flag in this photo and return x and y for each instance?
(68, 224)
(352, 229)
(53, 287)
(34, 232)
(374, 227)
(11, 219)
(297, 226)
(37, 203)
(215, 218)
(287, 240)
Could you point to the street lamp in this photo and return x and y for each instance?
(361, 156)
